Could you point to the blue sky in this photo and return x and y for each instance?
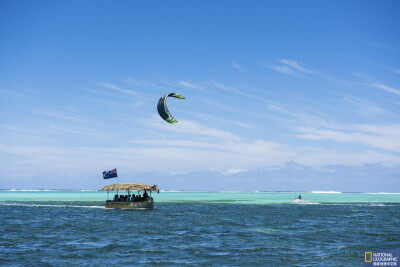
(284, 95)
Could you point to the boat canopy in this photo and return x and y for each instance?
(132, 187)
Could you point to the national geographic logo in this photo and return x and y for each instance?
(382, 258)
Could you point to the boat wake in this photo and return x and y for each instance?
(303, 202)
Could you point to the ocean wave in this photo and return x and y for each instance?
(326, 192)
(47, 190)
(51, 205)
(28, 190)
(362, 204)
(381, 193)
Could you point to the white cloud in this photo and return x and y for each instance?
(167, 156)
(284, 69)
(118, 89)
(295, 65)
(193, 128)
(79, 131)
(219, 119)
(236, 66)
(274, 107)
(142, 84)
(238, 92)
(387, 88)
(12, 94)
(230, 171)
(58, 114)
(192, 86)
(365, 107)
(383, 137)
(291, 67)
(383, 46)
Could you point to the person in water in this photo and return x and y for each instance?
(299, 197)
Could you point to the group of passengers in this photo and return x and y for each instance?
(131, 198)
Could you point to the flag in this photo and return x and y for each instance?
(110, 174)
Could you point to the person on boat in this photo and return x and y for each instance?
(115, 198)
(145, 195)
(133, 198)
(299, 197)
(137, 198)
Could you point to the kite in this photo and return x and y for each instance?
(163, 110)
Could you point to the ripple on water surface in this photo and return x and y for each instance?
(85, 233)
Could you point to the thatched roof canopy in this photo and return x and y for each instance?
(131, 187)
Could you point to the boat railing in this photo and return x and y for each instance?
(148, 199)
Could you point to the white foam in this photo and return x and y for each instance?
(303, 202)
(48, 190)
(381, 193)
(325, 192)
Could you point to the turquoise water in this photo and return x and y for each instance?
(253, 198)
(60, 228)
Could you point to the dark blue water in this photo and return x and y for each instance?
(64, 234)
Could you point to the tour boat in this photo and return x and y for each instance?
(126, 201)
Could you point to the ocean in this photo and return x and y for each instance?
(72, 228)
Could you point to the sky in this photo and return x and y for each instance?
(280, 95)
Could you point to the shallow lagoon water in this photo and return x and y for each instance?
(196, 228)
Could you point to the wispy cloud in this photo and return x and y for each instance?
(387, 88)
(12, 94)
(239, 92)
(365, 107)
(142, 84)
(118, 89)
(293, 64)
(18, 134)
(219, 119)
(185, 156)
(194, 128)
(192, 86)
(395, 70)
(78, 131)
(383, 46)
(383, 137)
(274, 107)
(102, 92)
(284, 70)
(293, 116)
(229, 171)
(58, 114)
(236, 66)
(291, 67)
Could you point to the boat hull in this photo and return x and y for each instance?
(130, 205)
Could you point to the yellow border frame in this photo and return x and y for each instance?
(370, 257)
